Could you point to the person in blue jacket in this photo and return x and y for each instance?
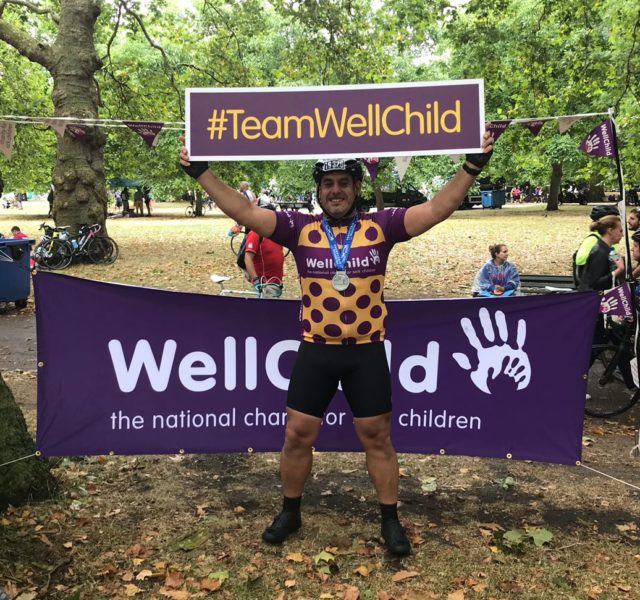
(497, 277)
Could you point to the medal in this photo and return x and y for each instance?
(340, 281)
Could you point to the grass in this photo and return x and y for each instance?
(173, 526)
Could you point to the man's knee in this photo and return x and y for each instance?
(375, 433)
(300, 434)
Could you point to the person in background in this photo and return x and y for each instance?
(16, 234)
(498, 277)
(604, 265)
(247, 193)
(125, 201)
(50, 201)
(146, 193)
(264, 260)
(633, 220)
(137, 203)
(515, 193)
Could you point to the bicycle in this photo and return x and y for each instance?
(54, 251)
(99, 249)
(207, 206)
(238, 234)
(270, 288)
(608, 394)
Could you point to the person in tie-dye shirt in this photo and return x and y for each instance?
(341, 257)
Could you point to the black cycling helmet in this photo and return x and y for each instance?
(350, 165)
(597, 212)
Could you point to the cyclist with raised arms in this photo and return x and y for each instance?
(341, 256)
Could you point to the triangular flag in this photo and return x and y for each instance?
(497, 128)
(617, 302)
(599, 141)
(402, 164)
(534, 126)
(78, 133)
(372, 166)
(7, 135)
(147, 130)
(565, 122)
(58, 125)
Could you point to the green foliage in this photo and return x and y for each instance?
(515, 540)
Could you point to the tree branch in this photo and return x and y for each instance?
(34, 8)
(165, 58)
(627, 83)
(26, 45)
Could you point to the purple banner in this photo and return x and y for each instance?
(534, 126)
(147, 130)
(617, 302)
(481, 377)
(497, 128)
(372, 165)
(600, 141)
(348, 121)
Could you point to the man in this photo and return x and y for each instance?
(247, 193)
(125, 201)
(343, 318)
(264, 261)
(138, 197)
(16, 234)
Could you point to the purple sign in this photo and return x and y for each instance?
(534, 126)
(200, 373)
(147, 130)
(404, 119)
(617, 302)
(600, 141)
(497, 128)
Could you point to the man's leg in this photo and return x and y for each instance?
(296, 459)
(382, 465)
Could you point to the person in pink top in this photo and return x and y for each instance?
(341, 256)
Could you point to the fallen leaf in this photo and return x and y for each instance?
(175, 594)
(127, 576)
(362, 570)
(239, 510)
(27, 596)
(131, 590)
(457, 595)
(623, 587)
(404, 575)
(68, 545)
(402, 472)
(295, 557)
(174, 580)
(351, 593)
(144, 574)
(289, 583)
(211, 585)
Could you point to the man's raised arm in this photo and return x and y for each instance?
(231, 202)
(423, 217)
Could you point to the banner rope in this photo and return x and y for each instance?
(94, 121)
(19, 459)
(635, 487)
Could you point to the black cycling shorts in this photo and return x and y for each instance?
(361, 368)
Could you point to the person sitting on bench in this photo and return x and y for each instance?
(497, 277)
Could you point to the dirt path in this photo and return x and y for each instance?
(17, 340)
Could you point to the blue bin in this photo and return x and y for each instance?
(493, 199)
(15, 271)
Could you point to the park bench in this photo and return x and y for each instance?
(545, 284)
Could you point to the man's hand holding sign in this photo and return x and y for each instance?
(341, 254)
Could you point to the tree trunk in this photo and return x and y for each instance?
(554, 186)
(379, 200)
(78, 176)
(596, 189)
(29, 478)
(199, 203)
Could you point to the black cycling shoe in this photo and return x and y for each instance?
(282, 527)
(395, 539)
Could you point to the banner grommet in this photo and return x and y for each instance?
(38, 453)
(250, 450)
(112, 453)
(41, 364)
(509, 455)
(443, 451)
(585, 376)
(578, 463)
(181, 451)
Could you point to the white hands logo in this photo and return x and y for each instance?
(608, 304)
(592, 143)
(495, 358)
(375, 256)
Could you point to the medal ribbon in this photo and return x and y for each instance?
(340, 257)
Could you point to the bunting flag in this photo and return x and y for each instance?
(497, 128)
(617, 302)
(455, 157)
(564, 123)
(7, 135)
(534, 126)
(147, 130)
(58, 125)
(600, 141)
(78, 133)
(372, 165)
(402, 164)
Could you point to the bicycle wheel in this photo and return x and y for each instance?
(607, 393)
(189, 212)
(102, 250)
(55, 254)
